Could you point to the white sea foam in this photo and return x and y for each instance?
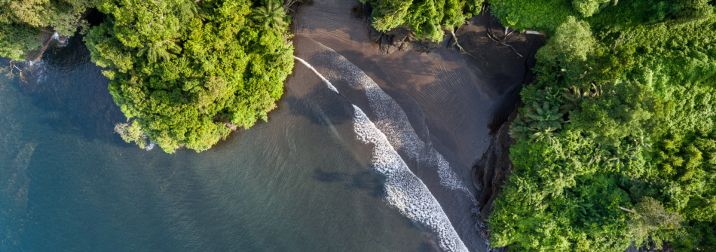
(392, 120)
(328, 83)
(404, 190)
(150, 146)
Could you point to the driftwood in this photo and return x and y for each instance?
(505, 38)
(291, 5)
(455, 42)
(627, 210)
(13, 70)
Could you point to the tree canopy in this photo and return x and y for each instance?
(547, 15)
(426, 19)
(22, 22)
(615, 143)
(185, 73)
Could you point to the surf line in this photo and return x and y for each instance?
(326, 81)
(404, 190)
(391, 119)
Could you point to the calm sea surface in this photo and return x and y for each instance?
(300, 182)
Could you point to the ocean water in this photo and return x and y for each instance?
(403, 189)
(304, 181)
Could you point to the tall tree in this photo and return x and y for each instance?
(22, 23)
(426, 19)
(616, 143)
(271, 14)
(186, 73)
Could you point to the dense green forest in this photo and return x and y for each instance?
(616, 141)
(427, 19)
(615, 144)
(185, 73)
(23, 22)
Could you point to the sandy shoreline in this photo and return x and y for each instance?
(451, 99)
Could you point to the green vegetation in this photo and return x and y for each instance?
(426, 19)
(616, 142)
(547, 15)
(186, 72)
(537, 14)
(23, 22)
(132, 133)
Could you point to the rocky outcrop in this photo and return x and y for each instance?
(494, 166)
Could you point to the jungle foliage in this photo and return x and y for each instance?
(23, 22)
(616, 142)
(547, 15)
(426, 18)
(186, 73)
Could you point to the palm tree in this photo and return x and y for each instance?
(270, 15)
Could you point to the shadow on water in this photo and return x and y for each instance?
(365, 181)
(67, 84)
(320, 106)
(323, 107)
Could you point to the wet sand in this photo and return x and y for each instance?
(451, 99)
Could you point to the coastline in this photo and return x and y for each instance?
(377, 141)
(453, 100)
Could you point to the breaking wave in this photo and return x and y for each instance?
(392, 120)
(404, 190)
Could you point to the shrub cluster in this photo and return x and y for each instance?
(185, 73)
(21, 23)
(426, 19)
(616, 142)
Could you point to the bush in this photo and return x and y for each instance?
(22, 22)
(426, 18)
(616, 142)
(187, 72)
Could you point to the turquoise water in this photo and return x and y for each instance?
(298, 183)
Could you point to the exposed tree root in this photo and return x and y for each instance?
(456, 43)
(505, 38)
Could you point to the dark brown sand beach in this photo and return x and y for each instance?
(451, 99)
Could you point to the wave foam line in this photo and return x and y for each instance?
(392, 120)
(326, 81)
(404, 189)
